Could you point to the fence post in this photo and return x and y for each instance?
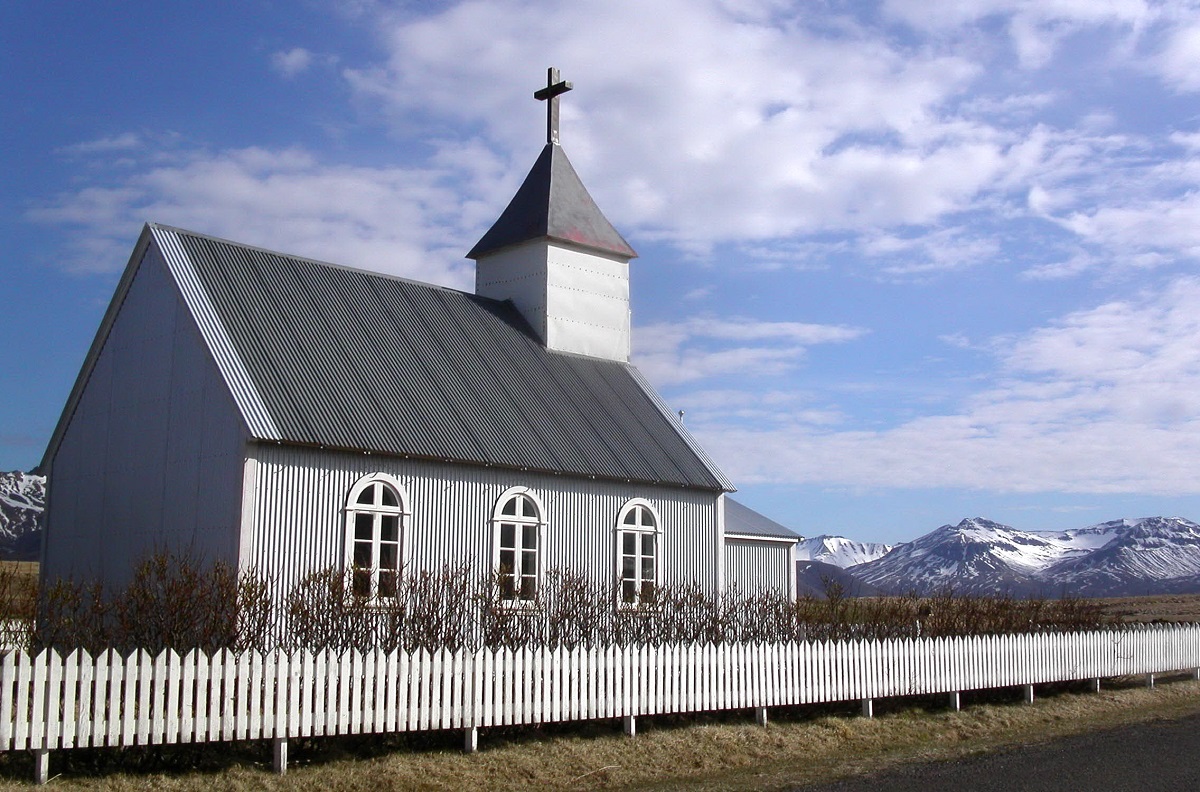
(41, 766)
(1150, 681)
(471, 739)
(760, 716)
(629, 725)
(868, 708)
(955, 700)
(1196, 673)
(1096, 685)
(279, 755)
(1028, 693)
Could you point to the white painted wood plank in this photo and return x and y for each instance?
(102, 702)
(448, 689)
(129, 681)
(379, 704)
(21, 721)
(283, 694)
(84, 735)
(228, 699)
(366, 710)
(156, 714)
(52, 716)
(69, 716)
(425, 694)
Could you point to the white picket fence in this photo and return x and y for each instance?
(50, 702)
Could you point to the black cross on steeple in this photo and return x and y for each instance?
(554, 87)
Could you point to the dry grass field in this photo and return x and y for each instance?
(1161, 608)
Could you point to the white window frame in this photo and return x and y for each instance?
(520, 525)
(636, 533)
(376, 573)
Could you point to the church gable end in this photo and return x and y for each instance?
(148, 453)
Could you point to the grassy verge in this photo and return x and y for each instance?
(801, 745)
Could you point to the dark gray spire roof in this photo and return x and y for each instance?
(552, 202)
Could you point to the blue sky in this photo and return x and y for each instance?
(900, 262)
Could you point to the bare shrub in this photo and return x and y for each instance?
(171, 602)
(175, 602)
(18, 604)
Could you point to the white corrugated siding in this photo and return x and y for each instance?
(753, 566)
(300, 494)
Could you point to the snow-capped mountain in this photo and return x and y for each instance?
(22, 503)
(1152, 555)
(978, 556)
(839, 551)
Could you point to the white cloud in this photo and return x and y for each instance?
(847, 132)
(1107, 400)
(401, 221)
(1179, 60)
(1149, 224)
(707, 348)
(291, 63)
(126, 141)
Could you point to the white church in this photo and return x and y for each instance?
(287, 415)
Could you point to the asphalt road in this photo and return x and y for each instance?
(1149, 757)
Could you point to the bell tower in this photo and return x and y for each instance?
(554, 254)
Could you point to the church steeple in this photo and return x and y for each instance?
(557, 257)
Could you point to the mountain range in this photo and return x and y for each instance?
(1152, 555)
(22, 503)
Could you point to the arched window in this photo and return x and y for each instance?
(517, 527)
(639, 553)
(375, 535)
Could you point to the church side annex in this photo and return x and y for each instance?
(288, 415)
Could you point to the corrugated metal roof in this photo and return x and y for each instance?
(343, 358)
(741, 520)
(552, 202)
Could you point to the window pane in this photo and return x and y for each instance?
(629, 543)
(527, 509)
(507, 565)
(628, 567)
(529, 562)
(507, 591)
(529, 533)
(388, 555)
(364, 526)
(362, 555)
(387, 584)
(367, 495)
(362, 583)
(389, 527)
(507, 535)
(528, 588)
(631, 516)
(629, 591)
(510, 507)
(647, 518)
(648, 591)
(647, 569)
(648, 544)
(389, 497)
